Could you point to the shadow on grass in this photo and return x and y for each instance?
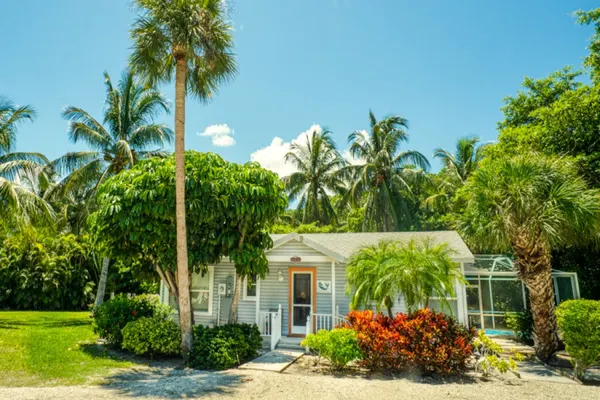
(172, 383)
(98, 350)
(43, 323)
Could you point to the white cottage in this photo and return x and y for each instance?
(305, 288)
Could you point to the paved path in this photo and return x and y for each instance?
(276, 360)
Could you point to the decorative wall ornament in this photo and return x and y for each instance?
(323, 286)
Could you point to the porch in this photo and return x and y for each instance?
(270, 326)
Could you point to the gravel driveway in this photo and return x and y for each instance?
(170, 383)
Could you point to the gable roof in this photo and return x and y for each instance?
(340, 246)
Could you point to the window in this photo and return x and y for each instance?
(201, 292)
(250, 287)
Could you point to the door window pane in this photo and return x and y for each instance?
(472, 298)
(507, 296)
(302, 289)
(300, 315)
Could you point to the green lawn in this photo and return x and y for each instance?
(51, 348)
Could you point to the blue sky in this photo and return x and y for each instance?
(444, 65)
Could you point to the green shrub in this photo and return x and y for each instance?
(579, 323)
(40, 271)
(490, 359)
(522, 324)
(152, 337)
(339, 346)
(224, 346)
(112, 316)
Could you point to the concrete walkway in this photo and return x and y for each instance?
(276, 361)
(531, 370)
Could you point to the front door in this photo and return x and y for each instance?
(302, 298)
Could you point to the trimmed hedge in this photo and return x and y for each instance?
(152, 337)
(224, 346)
(579, 323)
(112, 316)
(426, 340)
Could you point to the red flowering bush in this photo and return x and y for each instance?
(425, 340)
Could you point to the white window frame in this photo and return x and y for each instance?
(211, 291)
(246, 297)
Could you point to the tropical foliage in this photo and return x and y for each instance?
(530, 205)
(232, 207)
(424, 340)
(19, 170)
(417, 270)
(40, 271)
(191, 40)
(318, 163)
(126, 135)
(384, 173)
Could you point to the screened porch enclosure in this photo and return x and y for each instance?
(494, 289)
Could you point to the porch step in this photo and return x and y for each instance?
(290, 343)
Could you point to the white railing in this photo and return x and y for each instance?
(318, 321)
(275, 328)
(264, 322)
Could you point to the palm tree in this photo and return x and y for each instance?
(456, 170)
(126, 135)
(417, 271)
(17, 167)
(465, 160)
(191, 40)
(531, 205)
(384, 173)
(318, 163)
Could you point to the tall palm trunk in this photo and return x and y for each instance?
(102, 282)
(536, 272)
(183, 277)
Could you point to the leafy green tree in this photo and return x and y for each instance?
(191, 40)
(318, 163)
(592, 61)
(384, 173)
(231, 208)
(520, 110)
(417, 271)
(23, 205)
(530, 205)
(126, 135)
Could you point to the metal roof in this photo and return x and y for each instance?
(341, 246)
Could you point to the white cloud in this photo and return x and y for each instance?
(220, 134)
(350, 158)
(273, 156)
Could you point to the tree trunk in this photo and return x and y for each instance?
(183, 279)
(102, 282)
(536, 272)
(233, 315)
